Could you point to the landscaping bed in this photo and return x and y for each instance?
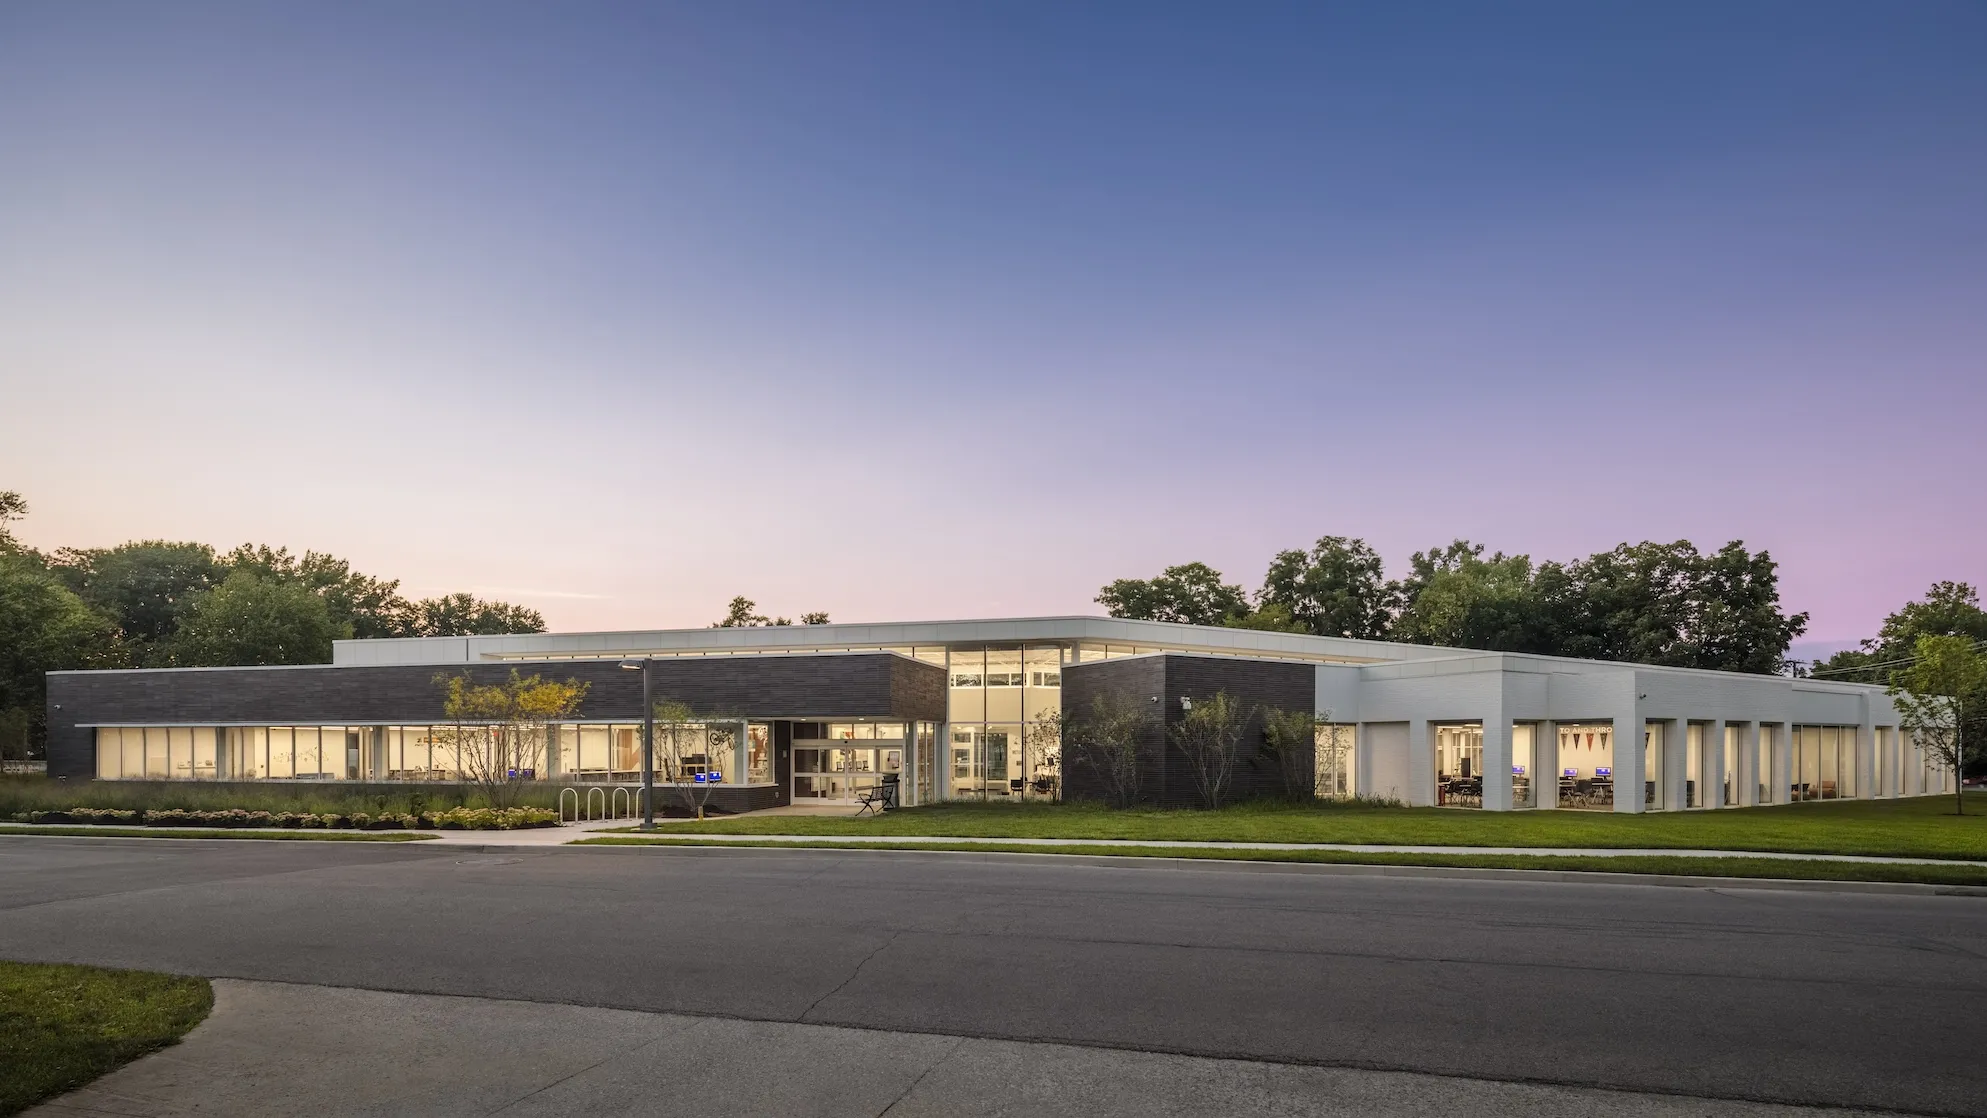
(452, 819)
(63, 1026)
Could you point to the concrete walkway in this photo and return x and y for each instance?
(277, 1049)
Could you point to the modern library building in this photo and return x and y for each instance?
(958, 710)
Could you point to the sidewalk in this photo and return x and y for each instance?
(277, 1049)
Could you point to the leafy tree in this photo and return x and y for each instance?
(143, 587)
(371, 607)
(1454, 596)
(1209, 735)
(1930, 693)
(1104, 738)
(249, 619)
(13, 507)
(1190, 594)
(1274, 618)
(1334, 590)
(1665, 603)
(688, 745)
(498, 733)
(465, 615)
(1948, 609)
(740, 615)
(1290, 746)
(1734, 621)
(44, 627)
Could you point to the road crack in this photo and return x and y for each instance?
(853, 975)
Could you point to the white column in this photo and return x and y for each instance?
(1866, 756)
(1628, 774)
(1676, 754)
(1420, 763)
(1714, 764)
(1545, 764)
(1783, 762)
(1888, 752)
(941, 758)
(1497, 762)
(1749, 765)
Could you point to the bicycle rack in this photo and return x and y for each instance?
(574, 793)
(590, 794)
(620, 803)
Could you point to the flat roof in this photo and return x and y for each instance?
(1153, 635)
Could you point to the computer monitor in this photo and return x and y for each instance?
(1603, 772)
(1569, 772)
(1517, 770)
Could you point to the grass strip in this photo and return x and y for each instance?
(214, 833)
(1777, 868)
(63, 1026)
(1909, 828)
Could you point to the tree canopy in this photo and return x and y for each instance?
(740, 614)
(1657, 603)
(161, 603)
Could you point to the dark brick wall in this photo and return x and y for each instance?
(842, 685)
(1136, 680)
(1168, 779)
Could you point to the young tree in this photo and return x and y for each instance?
(1929, 694)
(1334, 749)
(1290, 746)
(1209, 735)
(1041, 749)
(496, 732)
(1104, 739)
(1190, 594)
(249, 619)
(1334, 590)
(689, 746)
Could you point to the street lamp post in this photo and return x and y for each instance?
(648, 740)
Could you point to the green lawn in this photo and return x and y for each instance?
(212, 832)
(1903, 828)
(1678, 864)
(62, 1026)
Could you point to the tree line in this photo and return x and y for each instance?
(1652, 603)
(160, 603)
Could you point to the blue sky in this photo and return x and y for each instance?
(940, 310)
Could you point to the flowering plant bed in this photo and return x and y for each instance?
(453, 819)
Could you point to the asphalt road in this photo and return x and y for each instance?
(1820, 998)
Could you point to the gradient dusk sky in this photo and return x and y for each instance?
(922, 310)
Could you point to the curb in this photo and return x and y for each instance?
(1327, 869)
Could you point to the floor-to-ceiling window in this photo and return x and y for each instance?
(1586, 766)
(1002, 711)
(1693, 766)
(1524, 775)
(1336, 760)
(1459, 765)
(1771, 743)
